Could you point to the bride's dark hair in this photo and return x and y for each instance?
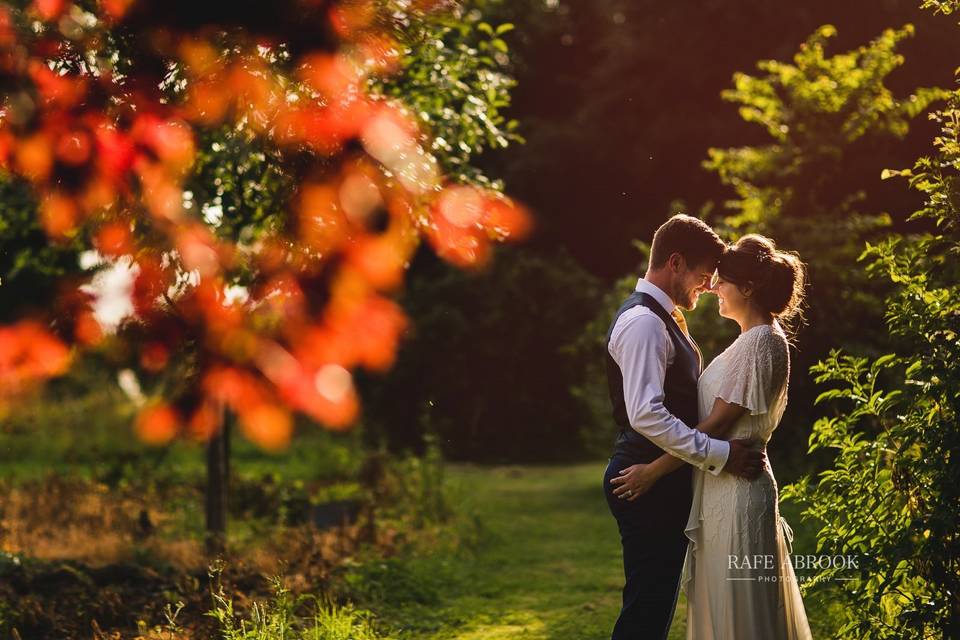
(777, 278)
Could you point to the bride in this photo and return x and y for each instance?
(737, 574)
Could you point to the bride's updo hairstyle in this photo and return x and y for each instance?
(775, 278)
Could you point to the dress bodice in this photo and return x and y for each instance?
(753, 373)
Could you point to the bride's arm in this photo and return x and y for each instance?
(716, 425)
(723, 415)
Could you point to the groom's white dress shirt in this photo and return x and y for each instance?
(642, 348)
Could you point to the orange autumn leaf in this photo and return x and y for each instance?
(116, 9)
(34, 157)
(170, 140)
(29, 353)
(461, 207)
(349, 16)
(267, 425)
(115, 153)
(204, 422)
(382, 52)
(319, 345)
(465, 221)
(201, 58)
(336, 404)
(207, 103)
(375, 330)
(323, 129)
(157, 424)
(98, 195)
(322, 224)
(49, 9)
(366, 333)
(160, 192)
(7, 147)
(59, 215)
(254, 92)
(198, 249)
(114, 239)
(87, 330)
(392, 138)
(209, 299)
(56, 90)
(464, 247)
(8, 36)
(154, 356)
(332, 75)
(47, 355)
(360, 196)
(74, 147)
(237, 388)
(506, 220)
(149, 285)
(382, 260)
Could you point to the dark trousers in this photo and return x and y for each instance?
(654, 545)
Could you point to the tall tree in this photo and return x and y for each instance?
(261, 177)
(826, 119)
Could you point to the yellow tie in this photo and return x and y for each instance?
(682, 323)
(681, 320)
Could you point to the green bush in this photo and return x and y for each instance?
(892, 493)
(283, 618)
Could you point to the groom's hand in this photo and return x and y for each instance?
(744, 461)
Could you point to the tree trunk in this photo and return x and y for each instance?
(218, 482)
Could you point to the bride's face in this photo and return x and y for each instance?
(733, 304)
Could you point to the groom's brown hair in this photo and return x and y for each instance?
(690, 237)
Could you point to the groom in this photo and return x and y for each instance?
(652, 369)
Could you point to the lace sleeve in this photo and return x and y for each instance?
(758, 370)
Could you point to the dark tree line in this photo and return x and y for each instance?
(619, 103)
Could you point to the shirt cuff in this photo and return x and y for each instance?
(717, 453)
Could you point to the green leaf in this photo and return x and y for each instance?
(884, 360)
(831, 394)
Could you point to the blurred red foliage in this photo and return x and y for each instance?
(107, 155)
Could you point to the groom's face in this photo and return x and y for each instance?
(690, 282)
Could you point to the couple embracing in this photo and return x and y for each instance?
(689, 483)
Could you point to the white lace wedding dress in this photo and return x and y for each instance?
(739, 581)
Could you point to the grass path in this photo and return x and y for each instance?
(552, 568)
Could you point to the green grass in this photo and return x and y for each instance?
(549, 565)
(532, 551)
(82, 426)
(554, 568)
(112, 452)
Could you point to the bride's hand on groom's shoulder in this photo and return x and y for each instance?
(633, 481)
